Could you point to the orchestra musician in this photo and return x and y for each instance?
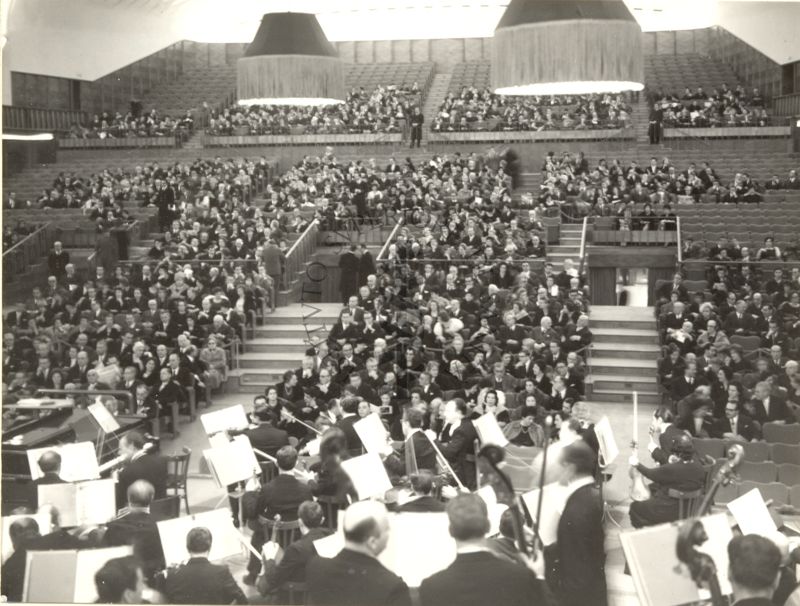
(459, 448)
(139, 464)
(682, 472)
(50, 464)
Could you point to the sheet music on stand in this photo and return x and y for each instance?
(667, 582)
(368, 475)
(489, 430)
(232, 462)
(373, 435)
(605, 439)
(226, 539)
(104, 418)
(82, 503)
(78, 461)
(66, 576)
(232, 417)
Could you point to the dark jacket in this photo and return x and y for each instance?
(580, 557)
(424, 454)
(426, 504)
(477, 579)
(460, 451)
(283, 496)
(267, 438)
(150, 467)
(201, 582)
(138, 529)
(661, 454)
(745, 427)
(292, 567)
(353, 579)
(354, 444)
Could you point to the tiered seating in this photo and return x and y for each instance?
(749, 225)
(473, 73)
(372, 75)
(213, 84)
(676, 72)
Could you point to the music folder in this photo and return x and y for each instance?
(226, 540)
(368, 475)
(81, 503)
(78, 461)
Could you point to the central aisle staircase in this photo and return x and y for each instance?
(625, 354)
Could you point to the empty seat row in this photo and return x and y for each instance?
(753, 451)
(779, 494)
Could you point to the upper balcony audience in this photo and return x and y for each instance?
(721, 107)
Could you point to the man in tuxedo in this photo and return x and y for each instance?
(770, 408)
(664, 426)
(140, 465)
(578, 556)
(280, 497)
(754, 570)
(354, 575)
(292, 567)
(735, 425)
(349, 408)
(418, 443)
(459, 448)
(50, 464)
(477, 576)
(266, 437)
(198, 581)
(136, 526)
(422, 500)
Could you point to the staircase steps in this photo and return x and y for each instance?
(625, 354)
(437, 91)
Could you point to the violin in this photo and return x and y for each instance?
(692, 533)
(639, 491)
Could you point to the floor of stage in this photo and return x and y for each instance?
(205, 495)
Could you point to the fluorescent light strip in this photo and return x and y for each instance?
(307, 101)
(37, 137)
(570, 88)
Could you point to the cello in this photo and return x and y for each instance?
(692, 534)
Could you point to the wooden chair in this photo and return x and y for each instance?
(177, 474)
(295, 592)
(687, 501)
(330, 507)
(286, 532)
(167, 508)
(268, 471)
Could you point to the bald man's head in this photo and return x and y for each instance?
(23, 529)
(366, 527)
(140, 494)
(50, 462)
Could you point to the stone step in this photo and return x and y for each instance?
(247, 381)
(603, 365)
(280, 331)
(270, 362)
(624, 381)
(625, 397)
(644, 351)
(628, 335)
(276, 345)
(622, 323)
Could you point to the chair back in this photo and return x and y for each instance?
(167, 508)
(794, 495)
(784, 434)
(330, 507)
(789, 474)
(178, 470)
(295, 592)
(713, 447)
(778, 493)
(755, 451)
(688, 502)
(785, 453)
(747, 344)
(269, 471)
(286, 533)
(762, 471)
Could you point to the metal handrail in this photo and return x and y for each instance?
(389, 240)
(300, 239)
(24, 240)
(680, 242)
(582, 253)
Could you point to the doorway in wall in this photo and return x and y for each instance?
(632, 286)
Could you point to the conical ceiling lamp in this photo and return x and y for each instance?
(290, 62)
(567, 47)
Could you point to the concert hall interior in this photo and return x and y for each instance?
(401, 302)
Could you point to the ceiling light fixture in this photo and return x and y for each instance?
(567, 47)
(290, 62)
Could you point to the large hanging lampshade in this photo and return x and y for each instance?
(290, 62)
(560, 47)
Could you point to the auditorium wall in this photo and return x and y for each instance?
(749, 64)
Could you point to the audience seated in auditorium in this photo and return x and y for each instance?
(722, 107)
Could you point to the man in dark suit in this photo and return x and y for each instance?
(422, 501)
(459, 449)
(735, 425)
(280, 497)
(418, 443)
(477, 576)
(355, 576)
(738, 322)
(292, 567)
(754, 570)
(344, 331)
(683, 473)
(266, 437)
(120, 581)
(348, 264)
(57, 260)
(768, 407)
(664, 425)
(578, 557)
(349, 407)
(198, 581)
(50, 464)
(136, 526)
(686, 384)
(140, 465)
